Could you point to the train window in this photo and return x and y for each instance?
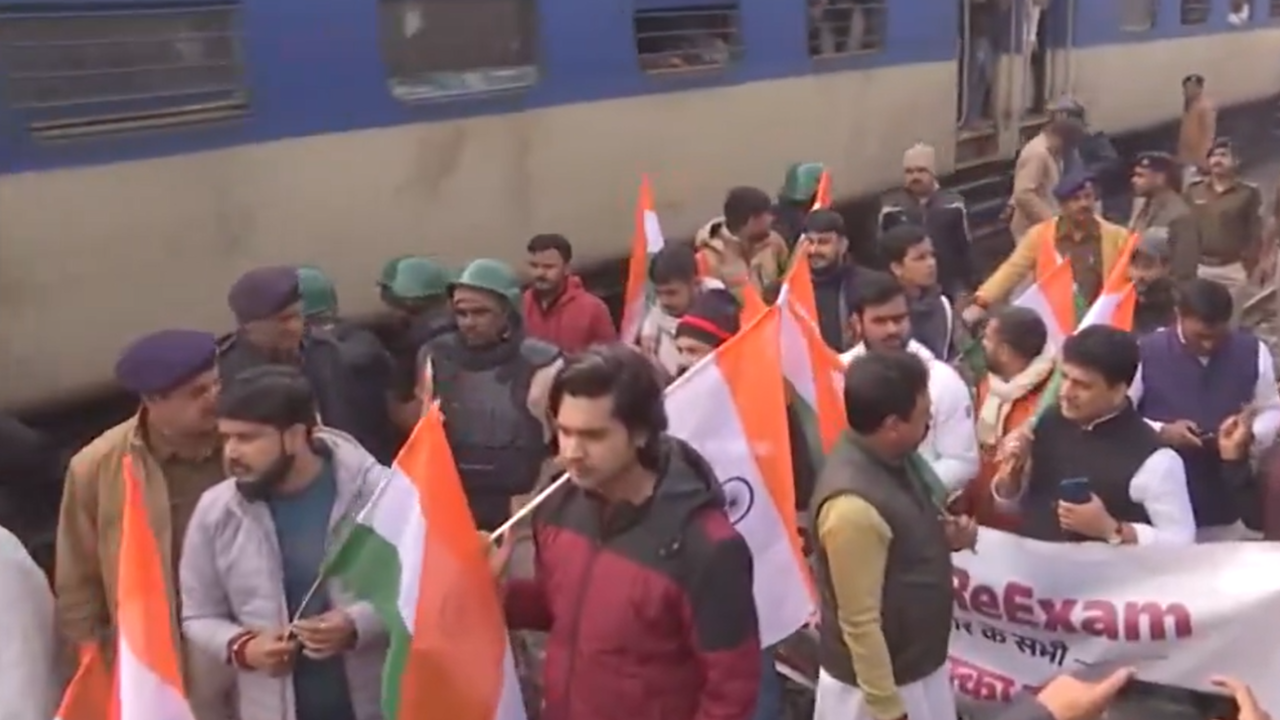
(686, 38)
(1275, 8)
(449, 48)
(1238, 12)
(77, 72)
(842, 27)
(1137, 15)
(1195, 12)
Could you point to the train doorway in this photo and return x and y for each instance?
(977, 83)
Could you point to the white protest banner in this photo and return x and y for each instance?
(1026, 611)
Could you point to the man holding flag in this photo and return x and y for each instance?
(254, 583)
(640, 578)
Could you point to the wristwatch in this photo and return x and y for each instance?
(1117, 536)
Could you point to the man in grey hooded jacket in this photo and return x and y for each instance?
(252, 589)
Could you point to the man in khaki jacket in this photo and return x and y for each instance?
(1079, 236)
(741, 246)
(1198, 129)
(1036, 174)
(174, 445)
(1158, 203)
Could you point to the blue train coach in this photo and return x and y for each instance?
(150, 151)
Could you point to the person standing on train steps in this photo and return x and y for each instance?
(1196, 374)
(835, 276)
(795, 199)
(673, 272)
(1078, 236)
(882, 318)
(557, 307)
(174, 446)
(1149, 269)
(257, 545)
(1158, 203)
(910, 254)
(641, 581)
(267, 304)
(740, 247)
(492, 381)
(369, 362)
(921, 202)
(883, 560)
(415, 290)
(1092, 470)
(1227, 216)
(1036, 173)
(1197, 130)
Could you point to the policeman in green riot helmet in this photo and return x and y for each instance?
(491, 380)
(416, 290)
(795, 199)
(319, 298)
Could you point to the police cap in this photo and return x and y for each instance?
(162, 361)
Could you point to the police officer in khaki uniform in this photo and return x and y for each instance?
(1227, 218)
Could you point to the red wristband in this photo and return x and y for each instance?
(237, 647)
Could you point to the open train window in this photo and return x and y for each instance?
(1195, 12)
(1274, 9)
(842, 27)
(73, 72)
(1137, 15)
(451, 48)
(694, 37)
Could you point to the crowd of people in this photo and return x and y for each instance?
(634, 597)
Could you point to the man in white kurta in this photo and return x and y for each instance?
(29, 683)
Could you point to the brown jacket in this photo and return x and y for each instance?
(1195, 135)
(731, 262)
(1020, 265)
(88, 549)
(1036, 173)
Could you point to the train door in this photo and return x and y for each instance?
(978, 91)
(1047, 30)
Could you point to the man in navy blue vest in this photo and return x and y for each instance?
(1194, 377)
(1094, 470)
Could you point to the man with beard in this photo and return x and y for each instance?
(920, 202)
(557, 307)
(267, 304)
(641, 580)
(1149, 269)
(173, 444)
(673, 272)
(1020, 364)
(257, 544)
(415, 290)
(492, 382)
(1158, 203)
(741, 247)
(1089, 244)
(882, 319)
(834, 275)
(883, 564)
(1227, 216)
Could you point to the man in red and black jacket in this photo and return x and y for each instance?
(640, 579)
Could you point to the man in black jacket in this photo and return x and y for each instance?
(834, 276)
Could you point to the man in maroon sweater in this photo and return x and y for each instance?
(640, 579)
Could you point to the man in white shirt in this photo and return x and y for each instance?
(29, 684)
(1093, 470)
(1194, 377)
(882, 320)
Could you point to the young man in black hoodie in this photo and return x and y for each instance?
(834, 276)
(909, 252)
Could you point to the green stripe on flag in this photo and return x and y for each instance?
(369, 566)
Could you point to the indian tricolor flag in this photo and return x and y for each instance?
(822, 198)
(813, 371)
(731, 408)
(415, 554)
(1118, 299)
(148, 671)
(646, 240)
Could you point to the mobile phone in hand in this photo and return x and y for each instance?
(1145, 698)
(1074, 491)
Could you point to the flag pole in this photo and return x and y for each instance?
(527, 509)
